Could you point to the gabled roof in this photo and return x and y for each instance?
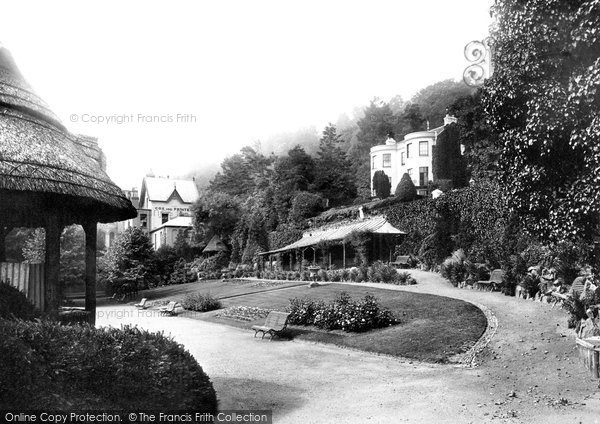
(215, 245)
(376, 225)
(180, 221)
(163, 189)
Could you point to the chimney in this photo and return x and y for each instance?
(449, 119)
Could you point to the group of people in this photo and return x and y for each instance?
(554, 290)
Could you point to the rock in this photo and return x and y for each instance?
(313, 284)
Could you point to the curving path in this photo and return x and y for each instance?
(528, 373)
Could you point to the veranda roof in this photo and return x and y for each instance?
(42, 164)
(375, 225)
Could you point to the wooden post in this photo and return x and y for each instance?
(314, 256)
(52, 261)
(302, 260)
(3, 233)
(343, 255)
(329, 258)
(90, 270)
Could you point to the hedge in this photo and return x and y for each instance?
(54, 367)
(14, 304)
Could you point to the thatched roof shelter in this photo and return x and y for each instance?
(215, 245)
(49, 177)
(41, 161)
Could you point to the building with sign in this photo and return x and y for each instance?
(162, 200)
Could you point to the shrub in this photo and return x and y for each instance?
(15, 305)
(182, 273)
(405, 279)
(200, 303)
(81, 367)
(456, 268)
(381, 185)
(382, 273)
(406, 190)
(530, 284)
(302, 311)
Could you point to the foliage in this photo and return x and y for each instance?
(305, 205)
(130, 264)
(405, 279)
(382, 273)
(303, 310)
(360, 242)
(447, 161)
(62, 368)
(382, 185)
(542, 101)
(434, 100)
(166, 258)
(284, 235)
(182, 273)
(406, 190)
(211, 264)
(200, 302)
(456, 268)
(333, 177)
(216, 212)
(344, 314)
(474, 132)
(72, 253)
(15, 305)
(241, 173)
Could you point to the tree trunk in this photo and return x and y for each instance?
(90, 270)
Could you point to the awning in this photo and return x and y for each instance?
(376, 225)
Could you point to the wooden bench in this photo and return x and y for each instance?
(401, 262)
(169, 309)
(142, 304)
(275, 324)
(493, 283)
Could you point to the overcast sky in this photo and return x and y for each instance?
(234, 71)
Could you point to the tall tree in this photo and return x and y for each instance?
(543, 100)
(333, 176)
(435, 99)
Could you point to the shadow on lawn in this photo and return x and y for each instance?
(246, 393)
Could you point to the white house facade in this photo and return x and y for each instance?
(412, 155)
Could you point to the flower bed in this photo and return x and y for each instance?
(343, 314)
(244, 313)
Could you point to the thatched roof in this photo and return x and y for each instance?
(39, 157)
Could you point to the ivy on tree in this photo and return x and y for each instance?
(543, 100)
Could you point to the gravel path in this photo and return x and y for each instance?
(529, 372)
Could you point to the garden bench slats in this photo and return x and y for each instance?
(275, 323)
(169, 309)
(142, 304)
(401, 261)
(495, 280)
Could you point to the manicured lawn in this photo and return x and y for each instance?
(432, 329)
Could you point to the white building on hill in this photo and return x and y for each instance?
(412, 155)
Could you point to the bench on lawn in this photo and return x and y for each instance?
(275, 324)
(169, 309)
(142, 304)
(401, 261)
(493, 283)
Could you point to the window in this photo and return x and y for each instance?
(423, 148)
(165, 217)
(409, 172)
(143, 217)
(402, 161)
(408, 150)
(387, 160)
(423, 172)
(373, 166)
